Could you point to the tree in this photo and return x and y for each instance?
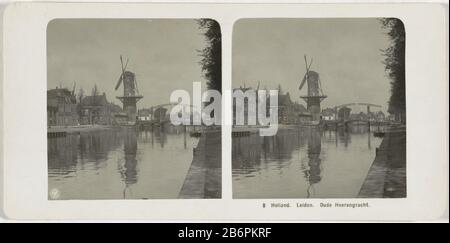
(95, 91)
(395, 66)
(211, 61)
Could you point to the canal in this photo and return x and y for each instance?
(303, 163)
(120, 163)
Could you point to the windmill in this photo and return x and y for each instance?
(314, 94)
(130, 92)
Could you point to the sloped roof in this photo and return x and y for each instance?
(64, 93)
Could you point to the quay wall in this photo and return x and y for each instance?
(204, 177)
(387, 175)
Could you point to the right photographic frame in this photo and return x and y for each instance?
(319, 108)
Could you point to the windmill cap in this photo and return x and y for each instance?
(128, 73)
(313, 73)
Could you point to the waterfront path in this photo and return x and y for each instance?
(76, 129)
(204, 177)
(387, 175)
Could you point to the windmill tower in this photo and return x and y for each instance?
(130, 92)
(315, 94)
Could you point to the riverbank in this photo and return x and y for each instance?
(204, 177)
(77, 129)
(387, 175)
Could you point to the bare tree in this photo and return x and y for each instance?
(80, 95)
(95, 90)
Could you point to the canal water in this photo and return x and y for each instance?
(119, 164)
(303, 163)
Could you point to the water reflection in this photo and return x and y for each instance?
(129, 171)
(120, 163)
(313, 173)
(89, 149)
(302, 163)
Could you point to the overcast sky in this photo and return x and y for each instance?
(346, 55)
(162, 53)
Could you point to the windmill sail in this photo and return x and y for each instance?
(303, 82)
(305, 77)
(119, 82)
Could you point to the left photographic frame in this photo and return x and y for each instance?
(111, 95)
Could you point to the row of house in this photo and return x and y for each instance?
(63, 109)
(289, 112)
(153, 114)
(344, 113)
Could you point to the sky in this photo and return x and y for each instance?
(345, 52)
(162, 53)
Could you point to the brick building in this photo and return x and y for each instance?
(96, 109)
(61, 108)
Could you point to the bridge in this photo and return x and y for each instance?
(368, 105)
(343, 117)
(158, 114)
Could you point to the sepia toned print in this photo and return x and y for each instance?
(341, 108)
(108, 109)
